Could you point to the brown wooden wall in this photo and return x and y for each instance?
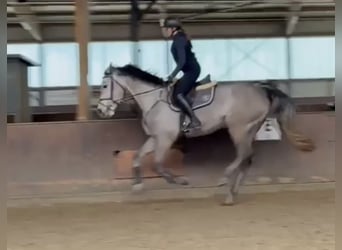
(55, 158)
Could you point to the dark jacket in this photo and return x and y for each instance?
(185, 59)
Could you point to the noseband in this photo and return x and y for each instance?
(111, 97)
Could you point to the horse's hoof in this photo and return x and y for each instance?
(182, 181)
(228, 202)
(170, 180)
(138, 187)
(222, 182)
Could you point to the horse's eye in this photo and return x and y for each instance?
(104, 86)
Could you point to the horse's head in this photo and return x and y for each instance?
(112, 93)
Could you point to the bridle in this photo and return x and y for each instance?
(124, 89)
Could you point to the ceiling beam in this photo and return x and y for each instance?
(154, 17)
(28, 20)
(151, 31)
(293, 18)
(172, 5)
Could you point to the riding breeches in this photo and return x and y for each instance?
(186, 84)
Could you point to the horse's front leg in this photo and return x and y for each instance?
(137, 172)
(163, 144)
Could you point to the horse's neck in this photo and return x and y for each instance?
(149, 97)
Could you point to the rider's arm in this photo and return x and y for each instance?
(180, 44)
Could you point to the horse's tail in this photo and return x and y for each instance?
(284, 109)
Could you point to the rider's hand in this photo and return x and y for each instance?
(168, 80)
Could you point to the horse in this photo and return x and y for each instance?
(239, 107)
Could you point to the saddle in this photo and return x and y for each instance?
(200, 97)
(205, 83)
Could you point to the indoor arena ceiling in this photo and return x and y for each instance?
(62, 11)
(35, 13)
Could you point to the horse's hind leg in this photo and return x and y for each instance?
(163, 144)
(242, 143)
(241, 175)
(247, 162)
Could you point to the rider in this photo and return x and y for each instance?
(186, 61)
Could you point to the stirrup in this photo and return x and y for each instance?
(193, 126)
(185, 126)
(190, 126)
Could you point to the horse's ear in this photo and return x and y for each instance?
(111, 66)
(109, 69)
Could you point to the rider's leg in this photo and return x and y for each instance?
(194, 121)
(183, 88)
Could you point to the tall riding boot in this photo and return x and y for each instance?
(194, 121)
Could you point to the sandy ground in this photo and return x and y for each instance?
(279, 221)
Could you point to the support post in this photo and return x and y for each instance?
(135, 19)
(136, 16)
(162, 7)
(82, 38)
(288, 66)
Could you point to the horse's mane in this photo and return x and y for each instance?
(133, 71)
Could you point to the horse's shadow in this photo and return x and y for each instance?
(217, 147)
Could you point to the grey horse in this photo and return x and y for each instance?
(241, 108)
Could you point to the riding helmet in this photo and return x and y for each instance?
(170, 22)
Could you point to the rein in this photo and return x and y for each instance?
(123, 99)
